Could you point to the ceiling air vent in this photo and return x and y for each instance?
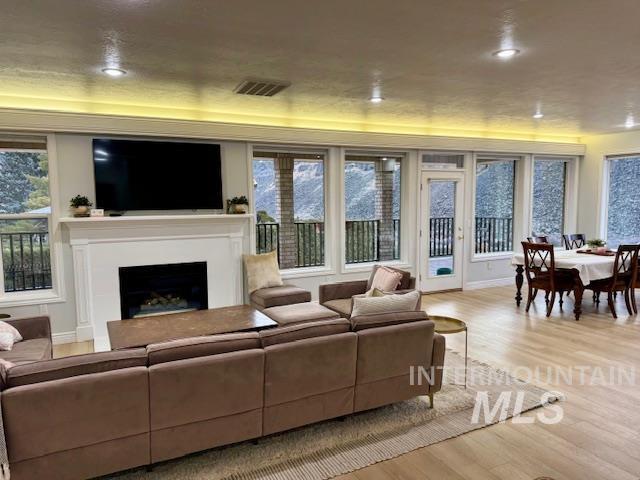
(261, 88)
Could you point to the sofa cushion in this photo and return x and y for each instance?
(8, 328)
(341, 305)
(262, 270)
(302, 331)
(282, 295)
(299, 313)
(363, 322)
(405, 282)
(201, 346)
(74, 366)
(28, 351)
(385, 304)
(386, 279)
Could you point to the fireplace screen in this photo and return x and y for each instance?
(161, 289)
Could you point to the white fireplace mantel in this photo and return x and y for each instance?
(101, 245)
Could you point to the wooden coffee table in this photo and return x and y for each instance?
(140, 332)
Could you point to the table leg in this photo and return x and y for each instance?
(578, 291)
(466, 356)
(519, 282)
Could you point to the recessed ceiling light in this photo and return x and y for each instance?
(630, 123)
(376, 99)
(538, 115)
(114, 72)
(506, 53)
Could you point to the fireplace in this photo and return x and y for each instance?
(160, 289)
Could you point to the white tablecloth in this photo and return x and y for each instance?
(590, 267)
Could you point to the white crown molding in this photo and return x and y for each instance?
(63, 122)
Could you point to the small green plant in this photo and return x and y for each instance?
(239, 201)
(596, 242)
(80, 201)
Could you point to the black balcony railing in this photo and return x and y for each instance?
(494, 234)
(362, 241)
(26, 261)
(396, 239)
(309, 244)
(441, 237)
(267, 235)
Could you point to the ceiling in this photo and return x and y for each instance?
(431, 59)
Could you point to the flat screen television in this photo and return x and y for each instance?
(150, 175)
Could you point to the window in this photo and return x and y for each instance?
(25, 208)
(623, 202)
(494, 205)
(548, 205)
(289, 203)
(372, 207)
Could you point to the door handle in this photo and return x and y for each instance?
(460, 237)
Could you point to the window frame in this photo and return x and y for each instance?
(606, 181)
(518, 198)
(56, 294)
(326, 152)
(405, 157)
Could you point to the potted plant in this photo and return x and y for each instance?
(598, 245)
(238, 205)
(80, 206)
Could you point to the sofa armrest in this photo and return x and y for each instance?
(32, 327)
(334, 291)
(437, 362)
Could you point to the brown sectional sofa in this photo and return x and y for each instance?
(90, 415)
(36, 340)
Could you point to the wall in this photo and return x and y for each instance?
(75, 173)
(591, 175)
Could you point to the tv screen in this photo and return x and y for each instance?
(150, 175)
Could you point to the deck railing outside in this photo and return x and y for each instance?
(25, 261)
(492, 235)
(362, 241)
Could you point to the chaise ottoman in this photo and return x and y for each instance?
(276, 296)
(299, 313)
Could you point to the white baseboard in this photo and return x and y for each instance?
(63, 337)
(84, 333)
(496, 282)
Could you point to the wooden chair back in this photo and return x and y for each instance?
(539, 262)
(574, 241)
(625, 267)
(538, 239)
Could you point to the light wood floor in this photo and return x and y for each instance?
(599, 437)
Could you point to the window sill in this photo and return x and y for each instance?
(306, 272)
(25, 299)
(366, 267)
(489, 257)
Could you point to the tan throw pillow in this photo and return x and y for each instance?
(6, 327)
(6, 341)
(386, 279)
(262, 271)
(387, 303)
(374, 292)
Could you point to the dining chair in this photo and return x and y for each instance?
(540, 269)
(574, 241)
(538, 239)
(625, 272)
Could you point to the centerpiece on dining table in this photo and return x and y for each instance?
(597, 246)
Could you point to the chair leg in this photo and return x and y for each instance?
(546, 296)
(612, 305)
(531, 295)
(633, 300)
(535, 293)
(552, 300)
(561, 295)
(627, 300)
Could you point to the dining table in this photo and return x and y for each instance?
(585, 267)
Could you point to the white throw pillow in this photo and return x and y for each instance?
(6, 327)
(386, 279)
(262, 271)
(386, 304)
(6, 341)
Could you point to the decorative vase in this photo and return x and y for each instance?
(81, 211)
(239, 208)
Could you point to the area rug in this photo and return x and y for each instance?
(332, 448)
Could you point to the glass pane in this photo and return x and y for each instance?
(624, 202)
(372, 194)
(24, 182)
(264, 184)
(308, 211)
(494, 206)
(442, 201)
(25, 254)
(443, 160)
(548, 199)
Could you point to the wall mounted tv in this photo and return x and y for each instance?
(150, 175)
